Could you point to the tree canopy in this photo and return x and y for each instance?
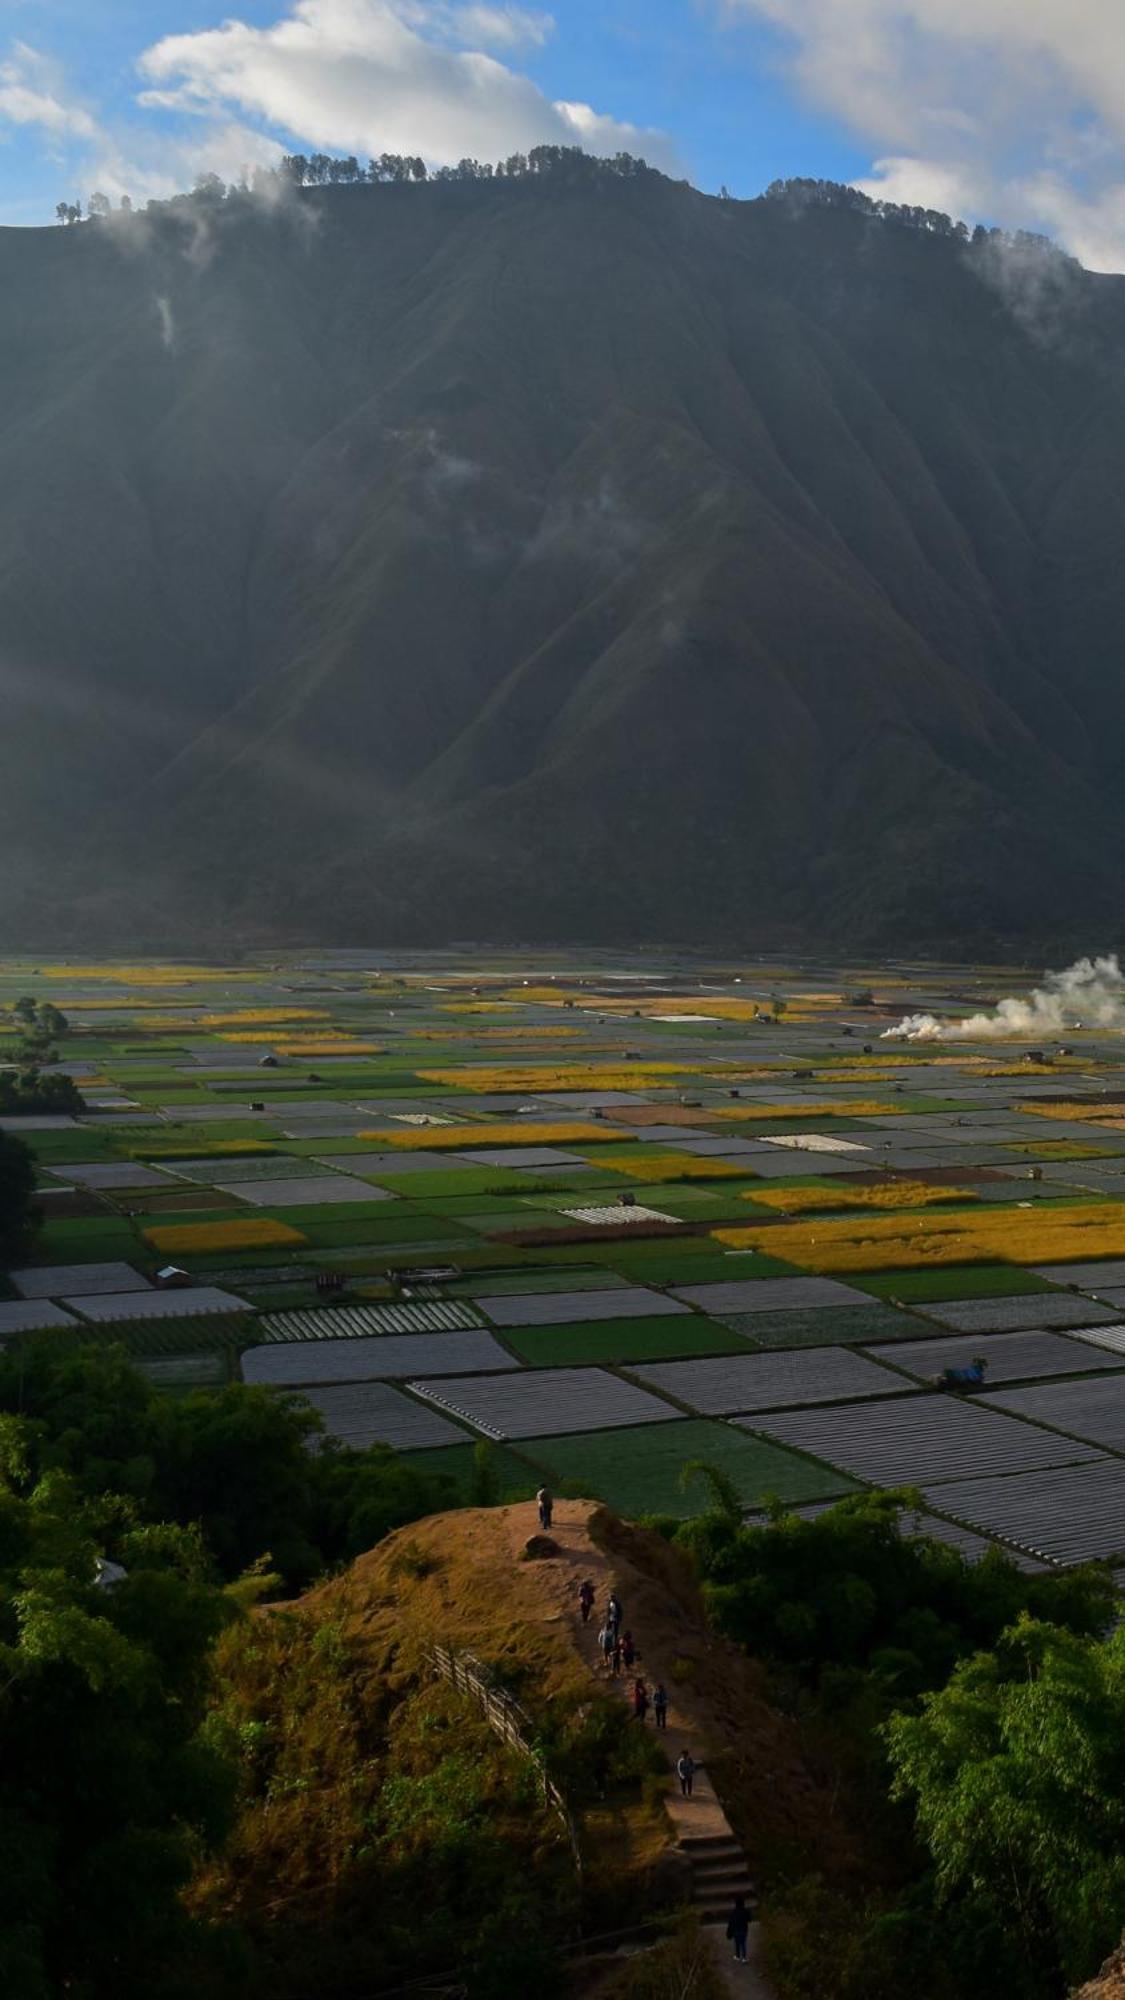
(17, 1196)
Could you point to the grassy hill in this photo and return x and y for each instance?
(535, 560)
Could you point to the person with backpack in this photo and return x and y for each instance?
(738, 1925)
(640, 1701)
(685, 1772)
(660, 1705)
(586, 1599)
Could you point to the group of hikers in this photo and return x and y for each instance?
(619, 1653)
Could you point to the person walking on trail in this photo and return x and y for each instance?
(640, 1701)
(628, 1651)
(605, 1641)
(614, 1611)
(685, 1772)
(616, 1655)
(660, 1705)
(738, 1925)
(586, 1599)
(545, 1504)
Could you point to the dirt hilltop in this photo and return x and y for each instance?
(461, 1579)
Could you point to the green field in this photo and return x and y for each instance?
(639, 1470)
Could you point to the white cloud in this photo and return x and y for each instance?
(372, 76)
(31, 93)
(1016, 108)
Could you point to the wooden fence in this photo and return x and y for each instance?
(510, 1722)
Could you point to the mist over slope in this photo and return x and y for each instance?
(520, 560)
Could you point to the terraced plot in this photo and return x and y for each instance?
(1073, 1514)
(772, 1381)
(545, 1402)
(1011, 1357)
(386, 1357)
(1092, 1409)
(918, 1440)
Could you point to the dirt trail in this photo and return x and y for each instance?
(700, 1824)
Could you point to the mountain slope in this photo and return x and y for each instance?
(551, 561)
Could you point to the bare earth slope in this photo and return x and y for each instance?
(556, 561)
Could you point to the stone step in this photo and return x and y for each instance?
(700, 1843)
(735, 1882)
(708, 1864)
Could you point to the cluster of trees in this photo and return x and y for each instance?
(972, 1717)
(806, 193)
(558, 163)
(26, 1089)
(18, 1213)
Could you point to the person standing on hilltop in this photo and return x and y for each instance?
(586, 1599)
(546, 1505)
(738, 1925)
(685, 1772)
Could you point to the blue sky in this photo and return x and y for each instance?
(1007, 110)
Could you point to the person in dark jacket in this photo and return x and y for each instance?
(660, 1705)
(586, 1600)
(640, 1701)
(738, 1925)
(628, 1651)
(685, 1772)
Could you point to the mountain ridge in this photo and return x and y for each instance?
(557, 562)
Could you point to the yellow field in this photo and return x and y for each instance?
(330, 1042)
(893, 1194)
(256, 1232)
(264, 1016)
(455, 1137)
(146, 975)
(670, 1167)
(1036, 1235)
(1079, 1110)
(629, 1076)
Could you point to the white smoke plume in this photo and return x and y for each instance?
(1089, 994)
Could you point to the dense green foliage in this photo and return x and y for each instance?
(17, 1197)
(109, 1793)
(985, 1699)
(1017, 1771)
(774, 465)
(233, 1460)
(846, 1595)
(31, 1089)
